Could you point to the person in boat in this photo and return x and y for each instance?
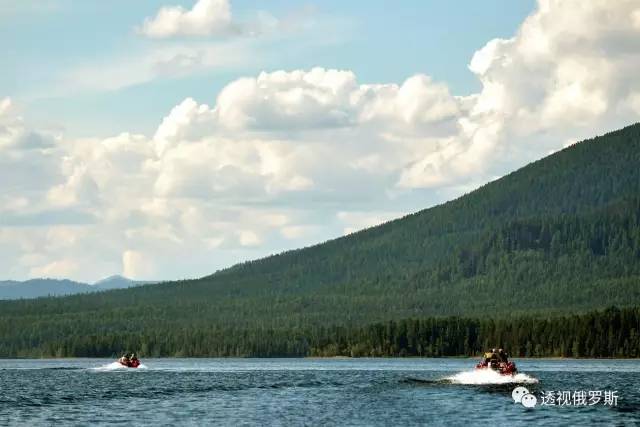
(494, 359)
(497, 361)
(124, 359)
(490, 359)
(494, 363)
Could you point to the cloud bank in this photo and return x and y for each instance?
(290, 157)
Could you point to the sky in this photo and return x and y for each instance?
(168, 139)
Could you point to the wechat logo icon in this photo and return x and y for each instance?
(522, 395)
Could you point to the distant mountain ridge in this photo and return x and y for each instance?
(35, 288)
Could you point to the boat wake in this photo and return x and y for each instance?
(488, 376)
(116, 366)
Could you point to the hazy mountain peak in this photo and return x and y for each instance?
(42, 287)
(113, 278)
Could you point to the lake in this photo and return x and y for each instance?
(315, 392)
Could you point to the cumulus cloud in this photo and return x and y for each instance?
(321, 98)
(214, 18)
(566, 74)
(207, 17)
(289, 157)
(299, 99)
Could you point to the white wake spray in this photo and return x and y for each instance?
(488, 376)
(116, 366)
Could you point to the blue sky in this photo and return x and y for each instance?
(379, 41)
(163, 139)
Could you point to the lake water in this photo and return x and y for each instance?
(310, 392)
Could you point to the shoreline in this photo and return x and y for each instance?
(315, 358)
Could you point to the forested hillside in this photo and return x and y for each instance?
(560, 235)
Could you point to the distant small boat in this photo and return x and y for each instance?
(497, 361)
(129, 362)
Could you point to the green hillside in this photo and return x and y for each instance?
(561, 234)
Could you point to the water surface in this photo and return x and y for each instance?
(304, 392)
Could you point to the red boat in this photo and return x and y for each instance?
(498, 362)
(129, 362)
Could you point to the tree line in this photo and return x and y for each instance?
(610, 333)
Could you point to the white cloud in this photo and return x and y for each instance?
(5, 105)
(61, 269)
(635, 18)
(249, 238)
(297, 99)
(171, 61)
(297, 231)
(137, 265)
(355, 221)
(286, 158)
(567, 74)
(417, 103)
(27, 158)
(321, 98)
(206, 18)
